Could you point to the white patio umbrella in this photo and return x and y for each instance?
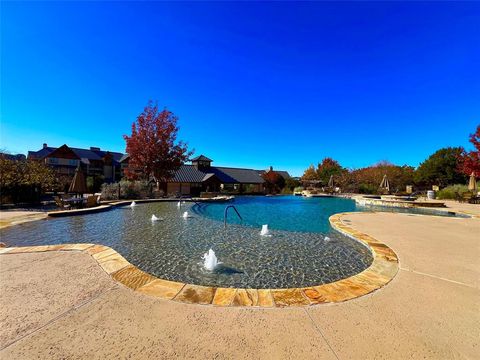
(331, 182)
(472, 184)
(385, 183)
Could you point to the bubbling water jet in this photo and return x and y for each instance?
(210, 261)
(265, 231)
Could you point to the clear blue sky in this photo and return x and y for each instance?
(254, 84)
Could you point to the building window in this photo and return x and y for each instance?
(72, 162)
(53, 160)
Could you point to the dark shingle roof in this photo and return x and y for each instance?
(86, 154)
(40, 154)
(190, 174)
(12, 157)
(246, 176)
(201, 158)
(81, 153)
(283, 174)
(124, 157)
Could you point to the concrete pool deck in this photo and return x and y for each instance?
(63, 305)
(15, 217)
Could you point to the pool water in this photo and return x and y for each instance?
(302, 250)
(297, 213)
(289, 213)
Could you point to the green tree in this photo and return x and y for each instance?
(25, 180)
(291, 184)
(310, 174)
(327, 168)
(367, 180)
(441, 168)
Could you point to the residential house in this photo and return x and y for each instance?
(201, 176)
(94, 161)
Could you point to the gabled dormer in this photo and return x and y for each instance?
(201, 162)
(62, 156)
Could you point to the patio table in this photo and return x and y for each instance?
(77, 202)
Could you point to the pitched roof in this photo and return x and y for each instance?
(282, 173)
(13, 157)
(237, 175)
(81, 153)
(124, 157)
(201, 158)
(190, 174)
(40, 154)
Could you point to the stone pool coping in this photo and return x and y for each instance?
(107, 205)
(383, 269)
(389, 202)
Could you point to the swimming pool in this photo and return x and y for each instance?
(302, 250)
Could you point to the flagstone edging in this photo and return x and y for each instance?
(382, 270)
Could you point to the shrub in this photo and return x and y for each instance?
(450, 192)
(367, 189)
(110, 191)
(292, 183)
(135, 189)
(128, 190)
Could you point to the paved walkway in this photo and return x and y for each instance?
(15, 217)
(62, 305)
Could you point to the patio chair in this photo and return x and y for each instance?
(59, 202)
(467, 197)
(92, 201)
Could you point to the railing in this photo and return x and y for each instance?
(226, 213)
(189, 200)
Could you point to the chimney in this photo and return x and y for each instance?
(45, 145)
(271, 168)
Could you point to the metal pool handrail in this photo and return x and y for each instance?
(226, 213)
(190, 199)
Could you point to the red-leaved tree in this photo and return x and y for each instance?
(470, 161)
(274, 182)
(153, 149)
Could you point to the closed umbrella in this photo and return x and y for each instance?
(472, 184)
(330, 182)
(79, 184)
(385, 184)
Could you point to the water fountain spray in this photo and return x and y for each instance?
(210, 261)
